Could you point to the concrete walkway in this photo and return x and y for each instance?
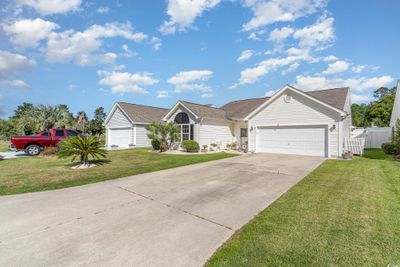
(176, 217)
(13, 155)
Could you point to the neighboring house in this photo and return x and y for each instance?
(290, 122)
(396, 107)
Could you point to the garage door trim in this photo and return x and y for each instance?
(303, 125)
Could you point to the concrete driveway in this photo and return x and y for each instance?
(13, 155)
(176, 217)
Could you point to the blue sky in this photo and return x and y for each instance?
(92, 53)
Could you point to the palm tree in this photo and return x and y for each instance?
(164, 133)
(82, 147)
(49, 117)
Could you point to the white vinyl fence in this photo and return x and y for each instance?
(355, 145)
(376, 136)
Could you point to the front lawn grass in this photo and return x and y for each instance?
(345, 213)
(4, 145)
(376, 153)
(44, 173)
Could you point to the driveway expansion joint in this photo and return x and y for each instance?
(177, 208)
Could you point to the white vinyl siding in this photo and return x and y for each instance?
(301, 140)
(215, 132)
(396, 107)
(298, 111)
(141, 136)
(118, 119)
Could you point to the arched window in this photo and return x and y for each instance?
(182, 118)
(186, 129)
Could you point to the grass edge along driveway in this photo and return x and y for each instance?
(45, 173)
(345, 213)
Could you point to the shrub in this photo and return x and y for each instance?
(82, 147)
(50, 151)
(155, 144)
(165, 133)
(391, 148)
(190, 146)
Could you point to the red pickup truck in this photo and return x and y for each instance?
(34, 144)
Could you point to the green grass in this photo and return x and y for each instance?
(345, 213)
(376, 153)
(44, 173)
(4, 145)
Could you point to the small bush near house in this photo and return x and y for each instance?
(190, 146)
(50, 151)
(155, 144)
(391, 148)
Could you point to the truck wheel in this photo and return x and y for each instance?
(32, 150)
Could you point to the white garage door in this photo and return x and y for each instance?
(122, 137)
(292, 140)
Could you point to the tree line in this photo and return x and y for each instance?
(29, 119)
(377, 112)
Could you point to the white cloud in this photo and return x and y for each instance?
(103, 10)
(317, 35)
(28, 33)
(47, 7)
(356, 84)
(359, 99)
(95, 59)
(128, 53)
(156, 43)
(269, 93)
(183, 13)
(187, 81)
(245, 55)
(291, 68)
(364, 68)
(207, 95)
(124, 82)
(278, 35)
(162, 94)
(330, 58)
(267, 12)
(16, 83)
(337, 67)
(253, 36)
(72, 46)
(252, 75)
(11, 65)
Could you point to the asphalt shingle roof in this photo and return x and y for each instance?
(205, 111)
(141, 113)
(238, 109)
(335, 97)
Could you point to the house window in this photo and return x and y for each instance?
(182, 118)
(186, 129)
(243, 132)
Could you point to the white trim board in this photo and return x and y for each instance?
(173, 109)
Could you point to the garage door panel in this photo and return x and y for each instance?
(292, 140)
(122, 137)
